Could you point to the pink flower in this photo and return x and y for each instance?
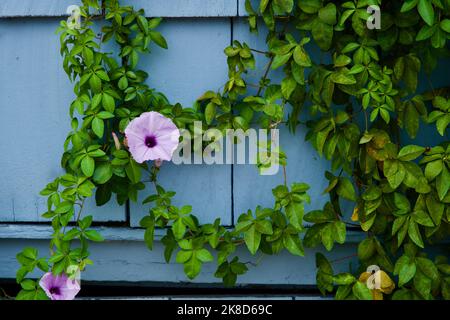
(152, 136)
(59, 287)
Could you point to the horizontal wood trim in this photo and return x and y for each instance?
(153, 8)
(42, 231)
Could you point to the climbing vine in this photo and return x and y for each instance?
(359, 103)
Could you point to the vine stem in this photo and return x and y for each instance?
(365, 120)
(266, 73)
(81, 209)
(344, 258)
(260, 51)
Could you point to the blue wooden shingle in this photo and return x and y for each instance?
(35, 95)
(193, 64)
(154, 8)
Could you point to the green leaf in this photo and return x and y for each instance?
(280, 60)
(71, 234)
(149, 236)
(435, 208)
(327, 236)
(158, 39)
(408, 5)
(425, 32)
(428, 268)
(252, 239)
(143, 23)
(322, 34)
(426, 11)
(28, 284)
(103, 173)
(95, 83)
(343, 77)
(285, 5)
(346, 189)
(294, 212)
(263, 5)
(361, 291)
(87, 166)
(93, 235)
(98, 126)
(433, 169)
(343, 279)
(32, 253)
(414, 233)
(366, 249)
(288, 86)
(343, 60)
(301, 57)
(210, 112)
(443, 183)
(339, 231)
(405, 268)
(108, 102)
(445, 25)
(204, 255)
(192, 268)
(133, 171)
(328, 14)
(293, 244)
(310, 6)
(178, 228)
(263, 226)
(410, 152)
(183, 256)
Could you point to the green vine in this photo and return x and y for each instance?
(361, 96)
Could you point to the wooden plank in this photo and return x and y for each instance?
(124, 257)
(42, 231)
(154, 8)
(303, 163)
(193, 64)
(35, 95)
(186, 8)
(33, 8)
(303, 166)
(241, 7)
(131, 261)
(206, 188)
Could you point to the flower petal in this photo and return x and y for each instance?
(152, 123)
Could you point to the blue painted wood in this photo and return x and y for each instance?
(44, 8)
(35, 95)
(186, 8)
(193, 64)
(154, 8)
(194, 61)
(303, 162)
(34, 123)
(241, 7)
(42, 231)
(132, 261)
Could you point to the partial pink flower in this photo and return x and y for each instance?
(59, 287)
(152, 136)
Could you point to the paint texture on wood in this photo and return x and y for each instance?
(153, 8)
(36, 8)
(35, 95)
(132, 261)
(186, 8)
(42, 231)
(193, 64)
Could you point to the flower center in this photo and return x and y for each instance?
(54, 290)
(150, 141)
